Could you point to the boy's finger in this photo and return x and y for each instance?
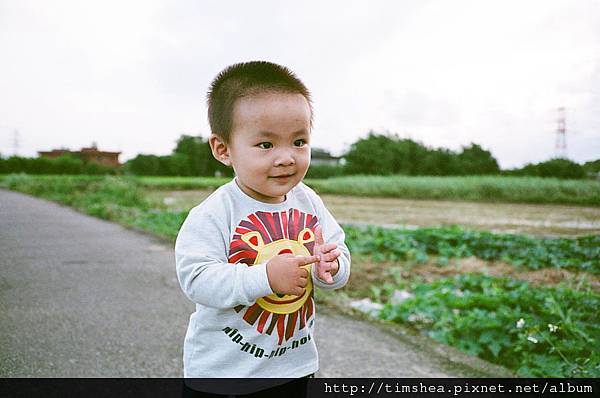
(303, 273)
(335, 266)
(302, 282)
(327, 247)
(331, 256)
(305, 260)
(298, 291)
(319, 236)
(327, 277)
(324, 273)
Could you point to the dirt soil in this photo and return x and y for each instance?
(366, 273)
(542, 220)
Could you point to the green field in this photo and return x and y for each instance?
(469, 188)
(477, 189)
(477, 313)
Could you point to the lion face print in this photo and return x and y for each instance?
(260, 237)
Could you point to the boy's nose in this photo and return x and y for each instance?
(284, 158)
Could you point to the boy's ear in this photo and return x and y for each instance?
(219, 149)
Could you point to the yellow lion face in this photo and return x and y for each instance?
(275, 303)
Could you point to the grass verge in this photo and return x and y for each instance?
(535, 331)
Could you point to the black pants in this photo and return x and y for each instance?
(294, 389)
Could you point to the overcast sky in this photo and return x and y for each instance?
(132, 75)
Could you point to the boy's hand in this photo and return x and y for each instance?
(328, 265)
(286, 275)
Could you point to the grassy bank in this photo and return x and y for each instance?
(182, 183)
(120, 199)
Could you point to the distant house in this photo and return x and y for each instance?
(322, 157)
(91, 154)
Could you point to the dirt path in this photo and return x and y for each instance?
(81, 297)
(543, 220)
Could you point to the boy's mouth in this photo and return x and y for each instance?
(283, 176)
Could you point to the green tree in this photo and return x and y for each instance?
(174, 165)
(372, 155)
(146, 165)
(409, 157)
(475, 160)
(388, 154)
(592, 167)
(67, 164)
(196, 153)
(199, 157)
(558, 168)
(561, 168)
(440, 162)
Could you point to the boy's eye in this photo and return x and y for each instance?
(265, 145)
(300, 142)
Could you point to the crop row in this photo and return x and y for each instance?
(535, 331)
(418, 245)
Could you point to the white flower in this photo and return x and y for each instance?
(553, 328)
(532, 339)
(419, 318)
(455, 311)
(400, 295)
(520, 323)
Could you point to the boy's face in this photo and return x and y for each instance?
(268, 144)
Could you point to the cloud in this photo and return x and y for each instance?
(133, 75)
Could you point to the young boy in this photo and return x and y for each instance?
(252, 253)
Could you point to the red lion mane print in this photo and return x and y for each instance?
(257, 239)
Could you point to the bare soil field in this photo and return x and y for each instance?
(540, 220)
(366, 273)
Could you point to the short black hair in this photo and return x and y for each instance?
(244, 79)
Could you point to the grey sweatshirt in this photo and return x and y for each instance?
(240, 327)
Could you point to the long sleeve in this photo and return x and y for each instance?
(202, 266)
(333, 233)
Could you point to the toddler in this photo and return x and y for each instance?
(252, 253)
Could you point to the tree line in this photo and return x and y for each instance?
(191, 157)
(65, 164)
(376, 154)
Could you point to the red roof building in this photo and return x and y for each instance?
(91, 154)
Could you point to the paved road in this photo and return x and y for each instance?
(82, 297)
